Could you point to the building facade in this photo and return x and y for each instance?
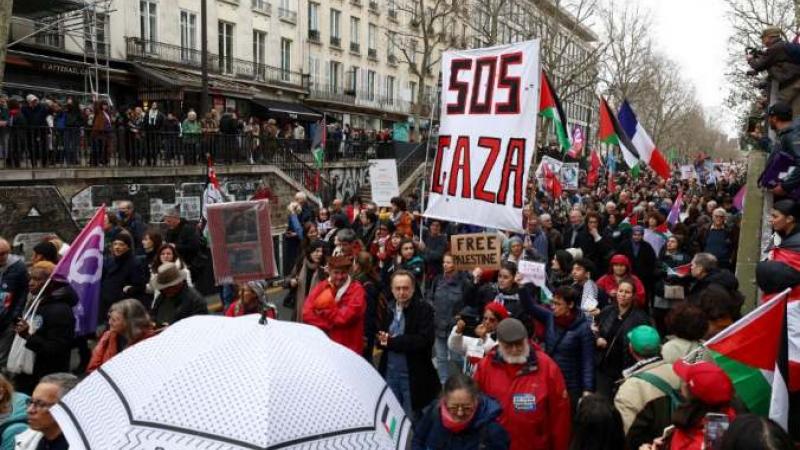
(296, 59)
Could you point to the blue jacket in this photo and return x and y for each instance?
(483, 433)
(13, 290)
(572, 348)
(16, 422)
(448, 295)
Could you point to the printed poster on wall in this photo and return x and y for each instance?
(486, 136)
(383, 181)
(241, 241)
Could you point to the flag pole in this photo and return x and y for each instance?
(422, 196)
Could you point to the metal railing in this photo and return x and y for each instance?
(355, 47)
(336, 41)
(373, 6)
(407, 165)
(262, 6)
(127, 146)
(393, 14)
(372, 53)
(140, 49)
(314, 35)
(287, 15)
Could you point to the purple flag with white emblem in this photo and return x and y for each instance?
(82, 268)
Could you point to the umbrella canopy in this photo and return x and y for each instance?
(232, 383)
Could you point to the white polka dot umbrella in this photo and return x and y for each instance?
(223, 383)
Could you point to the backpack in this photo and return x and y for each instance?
(659, 383)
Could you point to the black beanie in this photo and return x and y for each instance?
(124, 236)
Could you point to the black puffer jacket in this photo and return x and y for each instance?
(615, 357)
(55, 330)
(119, 272)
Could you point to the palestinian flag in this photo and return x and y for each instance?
(680, 271)
(550, 107)
(551, 181)
(612, 133)
(753, 351)
(594, 169)
(211, 195)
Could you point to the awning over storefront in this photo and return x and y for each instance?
(290, 110)
(181, 79)
(37, 9)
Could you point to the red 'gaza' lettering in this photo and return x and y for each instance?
(493, 144)
(461, 164)
(437, 185)
(516, 148)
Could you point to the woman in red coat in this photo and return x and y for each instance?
(128, 324)
(337, 305)
(620, 270)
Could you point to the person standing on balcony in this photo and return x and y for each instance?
(171, 138)
(154, 126)
(72, 132)
(101, 132)
(300, 137)
(210, 127)
(229, 129)
(190, 130)
(4, 116)
(36, 115)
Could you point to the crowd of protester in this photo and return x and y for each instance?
(44, 133)
(596, 357)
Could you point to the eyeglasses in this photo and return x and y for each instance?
(466, 409)
(38, 404)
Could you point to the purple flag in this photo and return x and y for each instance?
(738, 199)
(675, 213)
(82, 268)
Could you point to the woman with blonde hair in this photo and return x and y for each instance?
(13, 414)
(128, 324)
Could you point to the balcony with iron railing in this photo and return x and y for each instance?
(355, 47)
(262, 6)
(393, 15)
(287, 15)
(392, 59)
(355, 2)
(372, 53)
(143, 50)
(314, 36)
(330, 93)
(373, 7)
(336, 41)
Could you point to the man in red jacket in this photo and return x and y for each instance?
(530, 388)
(337, 305)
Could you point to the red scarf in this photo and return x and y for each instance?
(565, 321)
(451, 424)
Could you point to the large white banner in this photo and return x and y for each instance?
(383, 181)
(490, 102)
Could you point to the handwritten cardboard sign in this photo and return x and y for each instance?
(532, 272)
(476, 250)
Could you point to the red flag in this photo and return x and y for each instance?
(551, 182)
(594, 169)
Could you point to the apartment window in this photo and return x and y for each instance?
(412, 88)
(313, 16)
(412, 51)
(148, 23)
(390, 90)
(313, 70)
(391, 47)
(51, 35)
(225, 30)
(352, 82)
(372, 37)
(188, 36)
(286, 58)
(355, 24)
(95, 32)
(336, 33)
(371, 85)
(335, 72)
(260, 54)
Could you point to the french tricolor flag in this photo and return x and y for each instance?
(641, 140)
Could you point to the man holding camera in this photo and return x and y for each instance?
(780, 60)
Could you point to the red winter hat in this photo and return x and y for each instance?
(498, 310)
(706, 381)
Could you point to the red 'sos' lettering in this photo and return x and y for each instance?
(493, 144)
(512, 106)
(461, 87)
(514, 164)
(461, 164)
(477, 106)
(437, 185)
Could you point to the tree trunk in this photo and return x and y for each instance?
(5, 29)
